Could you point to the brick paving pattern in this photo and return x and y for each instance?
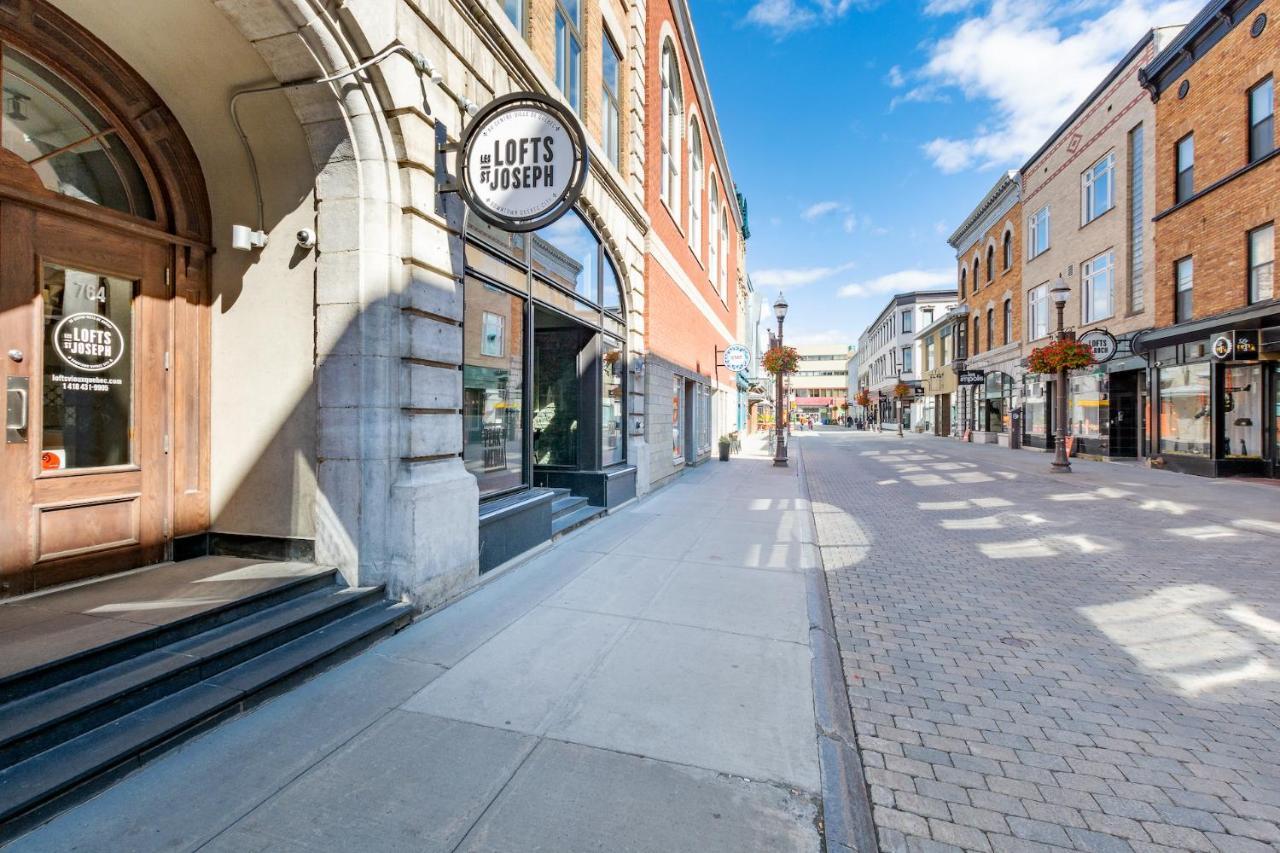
(1040, 662)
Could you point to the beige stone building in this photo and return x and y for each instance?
(1088, 196)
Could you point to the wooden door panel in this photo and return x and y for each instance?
(93, 479)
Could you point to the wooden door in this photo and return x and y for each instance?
(84, 329)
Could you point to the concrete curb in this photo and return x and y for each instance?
(846, 802)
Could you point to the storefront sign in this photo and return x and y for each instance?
(737, 358)
(88, 341)
(523, 162)
(1235, 346)
(972, 377)
(918, 390)
(1101, 343)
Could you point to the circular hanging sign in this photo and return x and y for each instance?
(737, 358)
(523, 162)
(88, 341)
(1223, 346)
(1101, 343)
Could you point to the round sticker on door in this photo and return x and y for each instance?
(88, 341)
(523, 162)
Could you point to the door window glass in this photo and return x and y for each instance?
(493, 387)
(1241, 406)
(611, 401)
(68, 143)
(677, 420)
(88, 380)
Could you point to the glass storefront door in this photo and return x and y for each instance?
(1241, 411)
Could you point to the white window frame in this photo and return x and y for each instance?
(1038, 312)
(611, 101)
(1034, 249)
(713, 238)
(672, 128)
(1089, 181)
(724, 251)
(1091, 273)
(695, 188)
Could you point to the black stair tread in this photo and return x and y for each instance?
(575, 518)
(43, 776)
(284, 660)
(149, 637)
(566, 503)
(27, 784)
(29, 714)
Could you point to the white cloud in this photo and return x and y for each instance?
(947, 7)
(1034, 61)
(902, 281)
(784, 17)
(895, 78)
(796, 277)
(821, 209)
(850, 223)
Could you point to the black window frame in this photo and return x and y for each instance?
(1008, 319)
(1007, 250)
(1256, 129)
(991, 262)
(1183, 190)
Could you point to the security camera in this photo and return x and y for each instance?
(306, 238)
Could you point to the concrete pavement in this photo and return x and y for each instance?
(1040, 662)
(645, 684)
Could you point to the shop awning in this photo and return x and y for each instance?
(1250, 317)
(815, 401)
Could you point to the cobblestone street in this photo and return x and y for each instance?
(1034, 662)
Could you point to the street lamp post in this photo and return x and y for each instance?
(1061, 465)
(899, 399)
(780, 450)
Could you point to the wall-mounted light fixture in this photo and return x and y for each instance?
(245, 239)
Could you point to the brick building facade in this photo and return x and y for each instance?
(1213, 368)
(694, 252)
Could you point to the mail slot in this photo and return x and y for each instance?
(17, 408)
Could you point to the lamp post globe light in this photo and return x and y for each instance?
(1061, 465)
(780, 448)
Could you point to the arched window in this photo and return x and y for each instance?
(1008, 249)
(67, 142)
(672, 122)
(991, 327)
(976, 269)
(963, 273)
(1008, 319)
(724, 249)
(991, 262)
(977, 335)
(695, 189)
(713, 241)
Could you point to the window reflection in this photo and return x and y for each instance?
(611, 292)
(611, 403)
(1184, 409)
(493, 387)
(566, 252)
(1241, 405)
(68, 143)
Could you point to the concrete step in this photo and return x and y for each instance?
(32, 790)
(575, 518)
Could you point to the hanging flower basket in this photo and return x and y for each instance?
(902, 391)
(781, 360)
(1060, 355)
(863, 399)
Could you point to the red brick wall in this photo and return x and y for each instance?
(675, 328)
(1213, 228)
(1004, 280)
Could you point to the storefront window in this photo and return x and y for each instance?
(613, 366)
(704, 419)
(1184, 409)
(1035, 410)
(568, 253)
(994, 407)
(677, 420)
(1088, 406)
(493, 387)
(88, 375)
(1241, 406)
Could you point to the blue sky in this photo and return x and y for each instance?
(864, 131)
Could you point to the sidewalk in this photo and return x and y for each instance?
(643, 685)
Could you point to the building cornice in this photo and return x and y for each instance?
(1008, 184)
(1206, 29)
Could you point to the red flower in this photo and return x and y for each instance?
(781, 360)
(1060, 355)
